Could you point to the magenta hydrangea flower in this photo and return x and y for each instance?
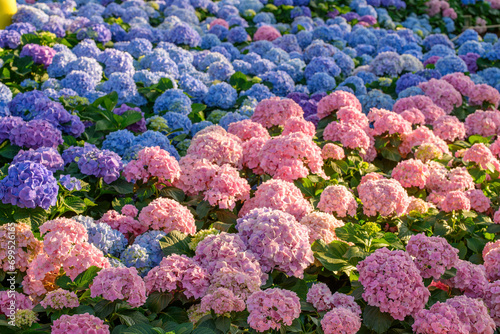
(21, 302)
(277, 240)
(59, 299)
(442, 94)
(119, 283)
(41, 54)
(484, 123)
(478, 200)
(178, 273)
(276, 111)
(222, 301)
(272, 308)
(266, 33)
(167, 215)
(449, 128)
(432, 255)
(340, 320)
(470, 278)
(35, 134)
(383, 196)
(473, 314)
(248, 129)
(339, 200)
(386, 276)
(79, 324)
(440, 319)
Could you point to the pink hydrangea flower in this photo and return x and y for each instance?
(226, 188)
(388, 122)
(248, 129)
(251, 150)
(484, 93)
(79, 324)
(345, 301)
(442, 93)
(153, 162)
(272, 308)
(220, 22)
(119, 284)
(419, 136)
(124, 223)
(460, 82)
(130, 210)
(178, 273)
(278, 195)
(298, 124)
(196, 174)
(349, 134)
(491, 257)
(339, 200)
(421, 102)
(414, 116)
(473, 314)
(496, 217)
(319, 295)
(353, 115)
(418, 205)
(478, 200)
(492, 300)
(217, 146)
(21, 302)
(242, 276)
(277, 240)
(454, 201)
(222, 301)
(266, 33)
(484, 123)
(384, 197)
(336, 100)
(59, 299)
(411, 173)
(332, 151)
(321, 226)
(290, 157)
(449, 128)
(443, 181)
(276, 111)
(167, 215)
(440, 319)
(386, 276)
(495, 148)
(470, 278)
(482, 156)
(340, 320)
(432, 255)
(27, 247)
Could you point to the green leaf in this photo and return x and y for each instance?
(158, 301)
(331, 256)
(238, 80)
(376, 320)
(476, 245)
(75, 204)
(203, 209)
(223, 324)
(33, 217)
(83, 280)
(450, 273)
(9, 151)
(104, 308)
(64, 282)
(390, 153)
(174, 193)
(176, 243)
(120, 186)
(164, 84)
(139, 329)
(478, 139)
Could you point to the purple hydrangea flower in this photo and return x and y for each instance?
(139, 126)
(29, 185)
(101, 163)
(35, 134)
(71, 153)
(70, 183)
(47, 156)
(41, 54)
(7, 124)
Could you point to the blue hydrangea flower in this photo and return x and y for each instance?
(138, 257)
(178, 121)
(376, 99)
(410, 91)
(88, 65)
(79, 81)
(173, 100)
(71, 153)
(437, 39)
(387, 63)
(70, 183)
(118, 141)
(237, 35)
(490, 75)
(467, 35)
(108, 240)
(242, 66)
(209, 40)
(258, 92)
(150, 242)
(357, 82)
(116, 61)
(408, 80)
(451, 64)
(318, 48)
(282, 83)
(345, 62)
(183, 33)
(322, 64)
(277, 56)
(150, 139)
(321, 82)
(29, 185)
(231, 117)
(221, 95)
(471, 47)
(220, 70)
(86, 48)
(199, 126)
(194, 87)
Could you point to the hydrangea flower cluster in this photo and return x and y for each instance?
(339, 200)
(79, 324)
(60, 299)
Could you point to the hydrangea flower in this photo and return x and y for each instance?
(101, 163)
(79, 324)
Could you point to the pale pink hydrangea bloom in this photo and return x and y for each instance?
(478, 200)
(248, 129)
(484, 123)
(21, 301)
(321, 226)
(371, 177)
(473, 314)
(251, 150)
(454, 201)
(460, 82)
(27, 247)
(59, 299)
(276, 111)
(277, 240)
(495, 148)
(492, 300)
(443, 181)
(482, 156)
(222, 301)
(278, 195)
(196, 174)
(449, 128)
(432, 255)
(496, 217)
(470, 279)
(450, 12)
(427, 152)
(340, 320)
(414, 116)
(319, 295)
(124, 223)
(220, 22)
(83, 256)
(388, 122)
(290, 157)
(339, 200)
(266, 33)
(167, 215)
(384, 196)
(419, 136)
(217, 146)
(243, 276)
(435, 198)
(153, 162)
(386, 276)
(345, 301)
(421, 102)
(491, 256)
(349, 134)
(353, 115)
(335, 101)
(226, 188)
(298, 124)
(411, 173)
(484, 93)
(272, 308)
(178, 273)
(119, 284)
(440, 319)
(130, 210)
(79, 324)
(418, 205)
(332, 151)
